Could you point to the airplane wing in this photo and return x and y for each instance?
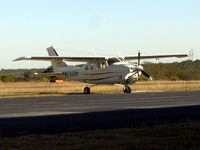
(155, 56)
(94, 59)
(73, 59)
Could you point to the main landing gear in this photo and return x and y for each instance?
(86, 90)
(127, 89)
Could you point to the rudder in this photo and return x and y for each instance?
(58, 65)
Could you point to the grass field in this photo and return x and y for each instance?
(26, 89)
(181, 136)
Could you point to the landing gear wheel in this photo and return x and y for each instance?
(127, 89)
(86, 90)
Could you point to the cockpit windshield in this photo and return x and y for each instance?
(114, 60)
(103, 65)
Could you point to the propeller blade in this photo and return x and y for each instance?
(138, 57)
(129, 75)
(146, 74)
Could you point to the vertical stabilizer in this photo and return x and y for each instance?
(58, 65)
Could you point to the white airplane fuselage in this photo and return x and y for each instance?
(112, 74)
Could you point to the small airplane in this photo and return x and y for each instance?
(98, 70)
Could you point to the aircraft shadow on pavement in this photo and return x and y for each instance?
(96, 120)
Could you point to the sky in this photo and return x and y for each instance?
(96, 28)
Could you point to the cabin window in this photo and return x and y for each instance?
(95, 66)
(98, 66)
(86, 67)
(91, 66)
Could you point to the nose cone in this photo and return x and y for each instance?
(134, 68)
(131, 68)
(139, 68)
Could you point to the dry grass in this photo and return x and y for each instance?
(167, 86)
(26, 89)
(181, 136)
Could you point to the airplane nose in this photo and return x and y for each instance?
(133, 68)
(140, 68)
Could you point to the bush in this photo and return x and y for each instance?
(174, 78)
(7, 78)
(27, 76)
(19, 79)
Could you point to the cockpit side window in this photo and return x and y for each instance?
(100, 65)
(92, 67)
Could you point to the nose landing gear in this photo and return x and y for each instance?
(127, 89)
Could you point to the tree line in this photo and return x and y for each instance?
(19, 75)
(186, 70)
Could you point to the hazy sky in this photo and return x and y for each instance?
(96, 27)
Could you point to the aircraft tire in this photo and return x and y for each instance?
(86, 90)
(127, 89)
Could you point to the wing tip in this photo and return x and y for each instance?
(18, 59)
(22, 58)
(184, 55)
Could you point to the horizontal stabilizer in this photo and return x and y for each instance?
(48, 74)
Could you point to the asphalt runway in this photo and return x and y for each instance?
(58, 114)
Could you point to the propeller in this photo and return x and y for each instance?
(140, 68)
(137, 69)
